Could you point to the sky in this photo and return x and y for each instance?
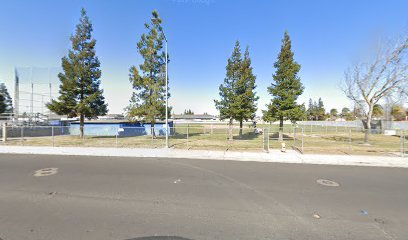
(326, 36)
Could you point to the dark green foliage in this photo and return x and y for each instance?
(347, 114)
(80, 93)
(378, 111)
(6, 104)
(237, 93)
(333, 113)
(188, 112)
(398, 113)
(344, 111)
(227, 89)
(316, 111)
(286, 88)
(149, 82)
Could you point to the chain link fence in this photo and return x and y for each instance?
(305, 139)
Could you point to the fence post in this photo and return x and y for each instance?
(4, 138)
(402, 135)
(22, 135)
(403, 143)
(302, 139)
(187, 138)
(266, 139)
(52, 133)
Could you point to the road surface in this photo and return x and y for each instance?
(144, 198)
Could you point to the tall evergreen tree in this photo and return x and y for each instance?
(238, 96)
(148, 101)
(245, 104)
(6, 104)
(80, 93)
(188, 112)
(227, 89)
(311, 111)
(321, 111)
(285, 89)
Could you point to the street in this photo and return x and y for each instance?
(149, 198)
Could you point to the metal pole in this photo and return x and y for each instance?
(187, 137)
(4, 137)
(22, 136)
(16, 94)
(167, 99)
(52, 132)
(402, 143)
(302, 140)
(32, 95)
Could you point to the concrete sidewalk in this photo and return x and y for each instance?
(273, 156)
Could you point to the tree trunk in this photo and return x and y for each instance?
(81, 125)
(230, 128)
(280, 128)
(240, 128)
(368, 124)
(367, 130)
(152, 129)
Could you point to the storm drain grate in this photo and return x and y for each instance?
(45, 172)
(328, 183)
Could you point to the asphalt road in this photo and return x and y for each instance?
(128, 198)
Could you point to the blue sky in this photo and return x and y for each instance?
(326, 36)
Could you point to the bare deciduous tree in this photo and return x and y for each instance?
(385, 75)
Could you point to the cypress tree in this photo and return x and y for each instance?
(6, 104)
(80, 93)
(149, 98)
(285, 89)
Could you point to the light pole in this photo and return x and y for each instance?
(167, 94)
(167, 99)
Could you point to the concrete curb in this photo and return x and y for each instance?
(274, 156)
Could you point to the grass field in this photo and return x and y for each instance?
(316, 139)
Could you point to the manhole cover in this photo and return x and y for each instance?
(45, 172)
(328, 183)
